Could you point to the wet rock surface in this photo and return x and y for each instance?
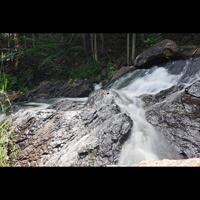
(178, 119)
(92, 132)
(79, 134)
(150, 100)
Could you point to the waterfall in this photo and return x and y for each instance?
(145, 143)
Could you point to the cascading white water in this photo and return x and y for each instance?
(145, 143)
(2, 117)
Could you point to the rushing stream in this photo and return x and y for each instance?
(145, 143)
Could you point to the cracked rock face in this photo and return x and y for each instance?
(72, 133)
(179, 120)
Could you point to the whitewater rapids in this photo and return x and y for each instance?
(145, 143)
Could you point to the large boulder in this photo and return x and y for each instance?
(178, 118)
(51, 89)
(80, 134)
(159, 53)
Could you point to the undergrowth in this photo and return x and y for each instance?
(7, 150)
(7, 146)
(93, 70)
(152, 39)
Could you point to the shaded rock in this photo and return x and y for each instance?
(50, 89)
(122, 71)
(179, 120)
(159, 53)
(14, 95)
(91, 134)
(189, 51)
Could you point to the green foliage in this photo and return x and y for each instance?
(49, 50)
(88, 71)
(93, 71)
(152, 39)
(12, 55)
(9, 82)
(7, 147)
(111, 69)
(4, 100)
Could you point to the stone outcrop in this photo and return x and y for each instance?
(178, 119)
(51, 89)
(158, 53)
(80, 134)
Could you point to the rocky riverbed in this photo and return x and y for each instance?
(93, 131)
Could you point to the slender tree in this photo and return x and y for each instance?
(127, 48)
(16, 47)
(95, 47)
(133, 47)
(84, 43)
(33, 40)
(92, 45)
(8, 44)
(102, 42)
(93, 38)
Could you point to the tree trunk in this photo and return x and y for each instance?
(84, 45)
(133, 47)
(84, 41)
(24, 38)
(33, 40)
(95, 47)
(102, 43)
(16, 47)
(127, 49)
(92, 45)
(88, 45)
(8, 40)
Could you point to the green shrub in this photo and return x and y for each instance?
(89, 71)
(111, 69)
(4, 100)
(93, 71)
(152, 39)
(7, 147)
(8, 82)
